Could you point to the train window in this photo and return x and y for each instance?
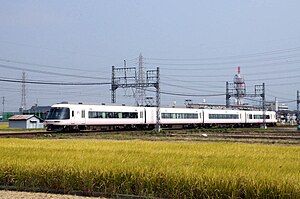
(116, 115)
(261, 117)
(83, 114)
(250, 116)
(95, 114)
(223, 116)
(133, 115)
(108, 115)
(257, 117)
(179, 115)
(141, 114)
(72, 113)
(58, 113)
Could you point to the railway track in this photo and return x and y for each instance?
(281, 136)
(18, 133)
(274, 134)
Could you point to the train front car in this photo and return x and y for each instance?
(76, 117)
(58, 118)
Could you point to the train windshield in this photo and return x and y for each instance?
(60, 113)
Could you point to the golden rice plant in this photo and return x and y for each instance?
(159, 169)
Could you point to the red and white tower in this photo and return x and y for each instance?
(239, 86)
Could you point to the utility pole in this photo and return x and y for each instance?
(298, 102)
(3, 101)
(228, 95)
(23, 98)
(113, 86)
(157, 86)
(263, 96)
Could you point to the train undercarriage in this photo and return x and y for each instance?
(76, 128)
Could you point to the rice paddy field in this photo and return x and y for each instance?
(3, 126)
(151, 169)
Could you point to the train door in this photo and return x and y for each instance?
(83, 117)
(202, 117)
(72, 117)
(145, 116)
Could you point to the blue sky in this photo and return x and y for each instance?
(198, 46)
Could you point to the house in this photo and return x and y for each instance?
(25, 121)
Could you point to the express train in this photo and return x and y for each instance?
(68, 117)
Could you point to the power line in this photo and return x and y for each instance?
(284, 62)
(46, 66)
(189, 95)
(187, 87)
(55, 83)
(280, 71)
(286, 102)
(274, 52)
(192, 95)
(49, 73)
(249, 80)
(275, 78)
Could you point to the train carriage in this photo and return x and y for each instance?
(224, 117)
(68, 117)
(181, 116)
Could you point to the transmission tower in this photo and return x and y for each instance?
(259, 91)
(140, 91)
(23, 97)
(240, 89)
(124, 78)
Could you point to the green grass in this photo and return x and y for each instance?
(160, 169)
(5, 127)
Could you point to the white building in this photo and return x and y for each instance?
(25, 121)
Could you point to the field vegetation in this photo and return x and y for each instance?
(152, 169)
(5, 127)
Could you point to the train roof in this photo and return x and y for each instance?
(66, 104)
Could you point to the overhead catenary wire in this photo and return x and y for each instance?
(289, 101)
(189, 95)
(223, 67)
(187, 87)
(49, 72)
(46, 66)
(266, 53)
(209, 84)
(55, 83)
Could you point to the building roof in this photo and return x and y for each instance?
(39, 109)
(21, 117)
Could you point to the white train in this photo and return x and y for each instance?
(65, 117)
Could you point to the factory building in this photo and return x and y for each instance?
(39, 111)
